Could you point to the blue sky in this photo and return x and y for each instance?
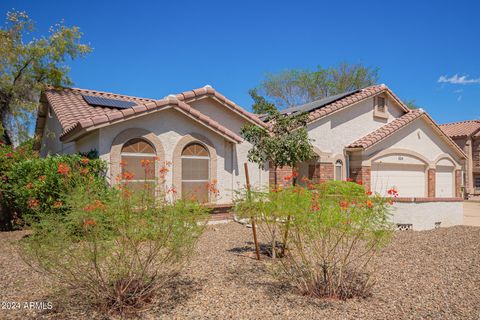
(154, 48)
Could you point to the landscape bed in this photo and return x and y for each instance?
(428, 274)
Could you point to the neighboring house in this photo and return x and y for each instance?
(370, 135)
(367, 135)
(467, 135)
(197, 131)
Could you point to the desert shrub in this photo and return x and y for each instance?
(41, 185)
(9, 156)
(115, 252)
(335, 230)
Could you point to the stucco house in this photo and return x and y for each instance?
(367, 135)
(467, 135)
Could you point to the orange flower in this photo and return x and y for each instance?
(57, 204)
(287, 178)
(392, 192)
(349, 179)
(123, 163)
(84, 160)
(84, 171)
(344, 205)
(294, 174)
(368, 193)
(163, 170)
(360, 182)
(127, 175)
(42, 178)
(145, 162)
(95, 205)
(33, 203)
(29, 185)
(89, 223)
(63, 169)
(305, 179)
(369, 204)
(172, 190)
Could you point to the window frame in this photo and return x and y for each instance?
(477, 182)
(377, 113)
(208, 158)
(139, 155)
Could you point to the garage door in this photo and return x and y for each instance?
(408, 180)
(444, 182)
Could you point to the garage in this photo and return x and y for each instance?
(408, 179)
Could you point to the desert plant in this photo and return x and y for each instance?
(335, 231)
(114, 252)
(39, 185)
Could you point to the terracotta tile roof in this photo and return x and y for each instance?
(461, 129)
(386, 130)
(352, 99)
(390, 128)
(76, 115)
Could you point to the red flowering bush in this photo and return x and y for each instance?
(33, 187)
(329, 234)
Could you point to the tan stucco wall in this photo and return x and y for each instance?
(334, 132)
(170, 126)
(51, 143)
(419, 138)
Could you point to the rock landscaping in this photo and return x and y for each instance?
(420, 275)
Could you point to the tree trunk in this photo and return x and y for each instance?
(5, 138)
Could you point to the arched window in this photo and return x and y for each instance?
(195, 172)
(339, 170)
(138, 164)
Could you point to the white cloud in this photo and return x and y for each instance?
(456, 79)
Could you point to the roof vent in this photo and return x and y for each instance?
(171, 96)
(208, 86)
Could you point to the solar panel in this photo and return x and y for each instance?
(110, 103)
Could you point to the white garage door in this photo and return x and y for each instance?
(444, 182)
(408, 180)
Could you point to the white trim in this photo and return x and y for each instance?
(207, 180)
(135, 154)
(143, 180)
(196, 157)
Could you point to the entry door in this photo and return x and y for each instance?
(444, 182)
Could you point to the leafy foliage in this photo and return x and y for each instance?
(114, 252)
(27, 66)
(296, 87)
(37, 186)
(285, 144)
(335, 229)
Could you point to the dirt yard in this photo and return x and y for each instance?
(422, 275)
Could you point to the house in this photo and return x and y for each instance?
(367, 135)
(467, 135)
(370, 136)
(197, 131)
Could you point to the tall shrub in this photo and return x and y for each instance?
(115, 251)
(335, 232)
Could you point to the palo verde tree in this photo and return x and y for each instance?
(27, 65)
(285, 144)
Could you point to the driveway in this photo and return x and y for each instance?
(471, 213)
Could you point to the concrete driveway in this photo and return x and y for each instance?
(471, 213)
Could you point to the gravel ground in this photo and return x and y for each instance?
(421, 275)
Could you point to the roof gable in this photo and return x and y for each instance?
(390, 128)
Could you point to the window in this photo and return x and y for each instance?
(477, 182)
(381, 104)
(195, 172)
(339, 170)
(138, 162)
(380, 107)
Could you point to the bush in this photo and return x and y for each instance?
(333, 232)
(38, 186)
(115, 252)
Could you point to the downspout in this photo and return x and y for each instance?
(347, 164)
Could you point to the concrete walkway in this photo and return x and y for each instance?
(471, 213)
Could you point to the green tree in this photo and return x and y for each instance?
(285, 144)
(411, 104)
(28, 64)
(296, 87)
